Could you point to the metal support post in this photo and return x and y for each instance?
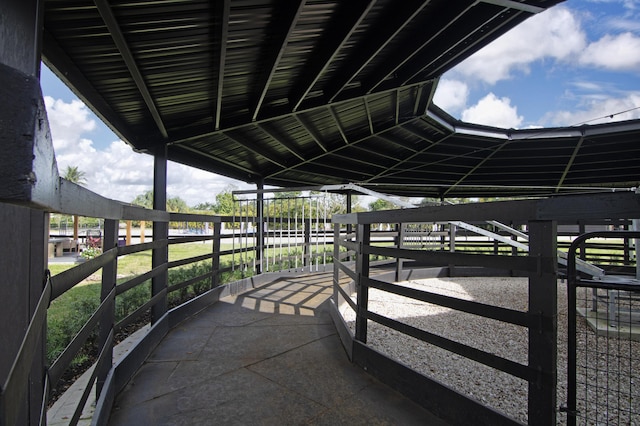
(215, 261)
(160, 255)
(259, 248)
(543, 331)
(363, 238)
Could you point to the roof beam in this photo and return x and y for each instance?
(347, 21)
(510, 4)
(334, 150)
(281, 141)
(63, 66)
(409, 158)
(365, 101)
(397, 101)
(338, 125)
(477, 166)
(116, 33)
(287, 14)
(402, 144)
(413, 72)
(222, 58)
(312, 133)
(256, 149)
(397, 19)
(231, 165)
(570, 163)
(450, 14)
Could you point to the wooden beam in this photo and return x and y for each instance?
(222, 58)
(288, 14)
(346, 23)
(123, 47)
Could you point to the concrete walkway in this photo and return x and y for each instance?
(270, 356)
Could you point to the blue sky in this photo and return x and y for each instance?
(574, 63)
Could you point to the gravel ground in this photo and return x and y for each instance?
(498, 390)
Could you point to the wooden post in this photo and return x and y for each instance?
(362, 271)
(28, 150)
(128, 239)
(259, 248)
(215, 262)
(543, 333)
(160, 255)
(142, 228)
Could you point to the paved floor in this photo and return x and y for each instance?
(270, 356)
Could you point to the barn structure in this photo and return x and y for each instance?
(291, 94)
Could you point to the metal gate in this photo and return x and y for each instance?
(603, 371)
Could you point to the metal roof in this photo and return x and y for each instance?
(317, 92)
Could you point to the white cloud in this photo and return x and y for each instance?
(68, 121)
(493, 111)
(598, 109)
(555, 33)
(451, 95)
(117, 172)
(620, 52)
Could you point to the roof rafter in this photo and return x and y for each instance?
(397, 20)
(570, 162)
(338, 125)
(58, 60)
(477, 166)
(409, 158)
(123, 47)
(346, 23)
(317, 157)
(281, 141)
(289, 15)
(256, 149)
(225, 7)
(413, 73)
(449, 15)
(311, 132)
(366, 107)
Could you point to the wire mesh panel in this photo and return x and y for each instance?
(608, 356)
(603, 368)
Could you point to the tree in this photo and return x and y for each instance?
(381, 204)
(144, 200)
(73, 174)
(174, 204)
(224, 204)
(177, 205)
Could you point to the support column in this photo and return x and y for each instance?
(362, 270)
(23, 134)
(160, 255)
(543, 333)
(260, 226)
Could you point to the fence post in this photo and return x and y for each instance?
(160, 255)
(260, 226)
(400, 229)
(543, 330)
(452, 248)
(215, 260)
(363, 238)
(307, 243)
(107, 321)
(336, 263)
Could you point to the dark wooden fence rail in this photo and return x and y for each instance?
(77, 200)
(540, 264)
